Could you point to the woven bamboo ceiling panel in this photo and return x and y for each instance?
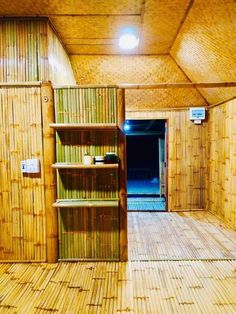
(161, 22)
(135, 69)
(206, 46)
(70, 7)
(93, 27)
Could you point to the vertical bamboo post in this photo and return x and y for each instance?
(50, 178)
(122, 176)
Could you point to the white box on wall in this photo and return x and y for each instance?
(33, 165)
(197, 113)
(30, 166)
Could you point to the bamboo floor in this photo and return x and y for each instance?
(185, 236)
(167, 286)
(133, 287)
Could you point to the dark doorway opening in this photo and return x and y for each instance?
(146, 165)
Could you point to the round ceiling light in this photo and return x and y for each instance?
(128, 41)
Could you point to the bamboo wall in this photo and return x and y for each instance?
(88, 233)
(187, 158)
(60, 70)
(23, 50)
(205, 46)
(222, 162)
(71, 146)
(22, 203)
(85, 105)
(138, 69)
(30, 51)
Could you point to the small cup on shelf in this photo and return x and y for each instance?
(88, 160)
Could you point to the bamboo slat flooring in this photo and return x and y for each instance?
(179, 236)
(167, 286)
(133, 287)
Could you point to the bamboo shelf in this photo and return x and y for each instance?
(85, 126)
(66, 203)
(68, 165)
(91, 205)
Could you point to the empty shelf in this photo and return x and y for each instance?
(86, 203)
(85, 126)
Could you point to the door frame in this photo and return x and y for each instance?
(132, 116)
(167, 162)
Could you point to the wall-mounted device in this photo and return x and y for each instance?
(197, 114)
(30, 166)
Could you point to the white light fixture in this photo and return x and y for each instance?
(128, 39)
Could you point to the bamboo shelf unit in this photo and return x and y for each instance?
(91, 199)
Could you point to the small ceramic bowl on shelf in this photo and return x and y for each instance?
(99, 160)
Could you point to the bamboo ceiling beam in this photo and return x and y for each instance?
(178, 85)
(86, 15)
(221, 102)
(153, 86)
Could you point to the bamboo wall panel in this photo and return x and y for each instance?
(30, 51)
(88, 184)
(205, 47)
(23, 50)
(222, 162)
(72, 145)
(22, 203)
(138, 69)
(85, 105)
(60, 70)
(187, 158)
(88, 233)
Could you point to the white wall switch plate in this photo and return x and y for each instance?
(33, 165)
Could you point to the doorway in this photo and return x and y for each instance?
(146, 165)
